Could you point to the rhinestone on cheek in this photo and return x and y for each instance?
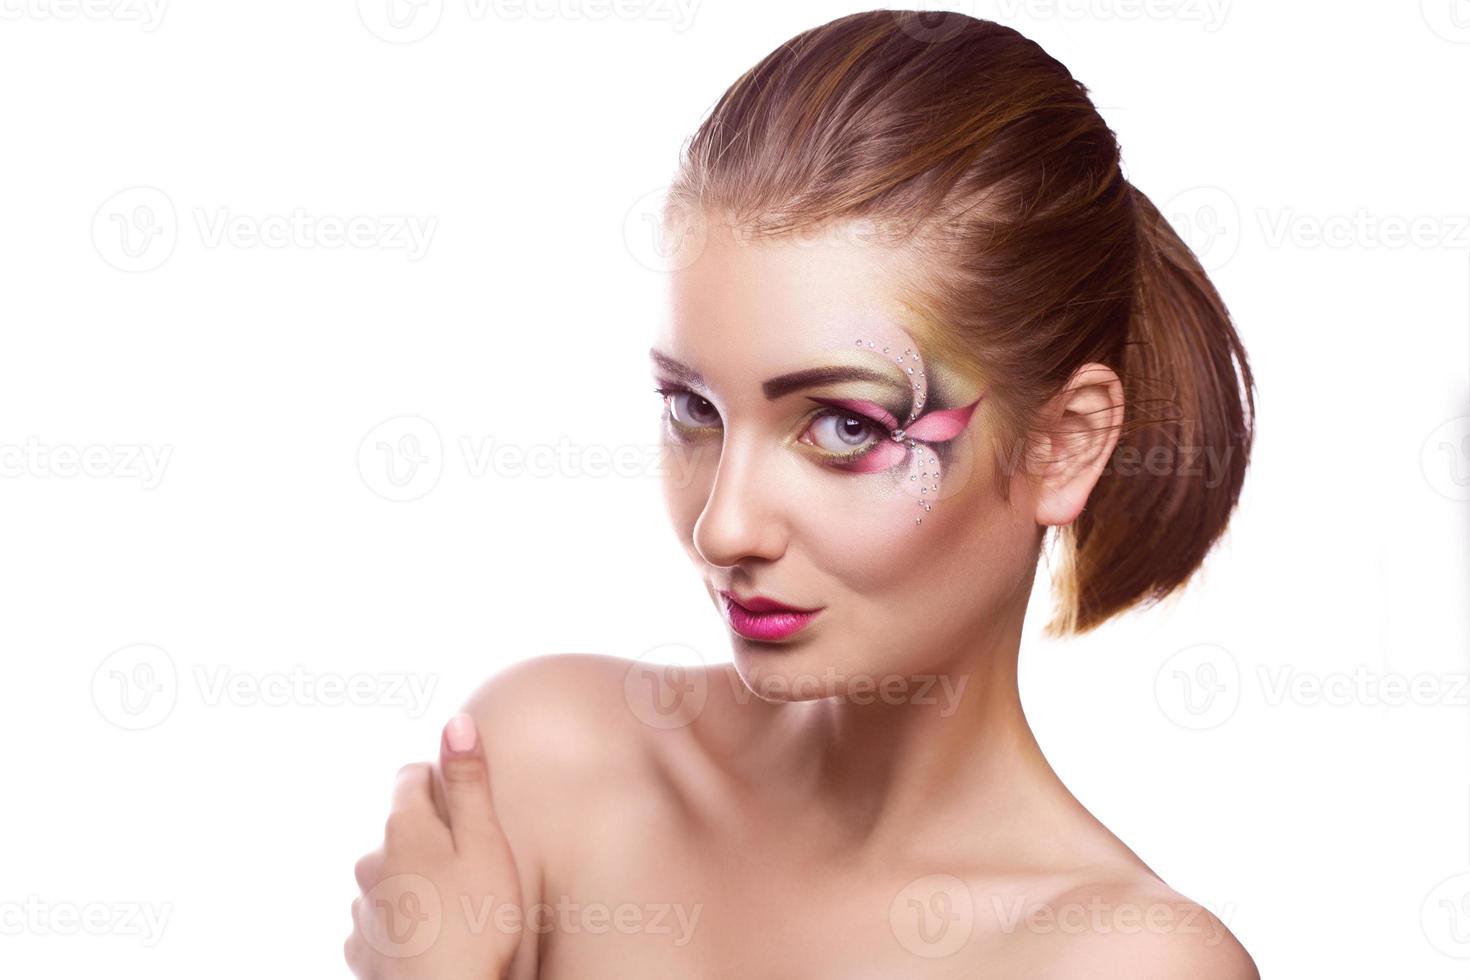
(898, 434)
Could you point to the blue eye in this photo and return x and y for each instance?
(688, 410)
(846, 433)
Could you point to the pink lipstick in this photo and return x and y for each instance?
(759, 618)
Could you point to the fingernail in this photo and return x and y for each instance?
(460, 733)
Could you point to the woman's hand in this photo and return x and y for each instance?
(441, 898)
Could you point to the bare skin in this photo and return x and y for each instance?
(784, 815)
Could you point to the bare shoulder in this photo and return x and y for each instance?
(557, 714)
(1136, 928)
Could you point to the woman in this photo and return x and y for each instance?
(924, 318)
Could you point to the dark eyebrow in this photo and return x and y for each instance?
(785, 384)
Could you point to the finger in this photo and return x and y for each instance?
(414, 818)
(354, 952)
(466, 783)
(440, 805)
(412, 792)
(368, 871)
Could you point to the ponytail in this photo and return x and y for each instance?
(1175, 476)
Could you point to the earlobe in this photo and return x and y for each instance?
(1080, 427)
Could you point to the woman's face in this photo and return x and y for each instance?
(794, 488)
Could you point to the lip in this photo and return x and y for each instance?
(761, 618)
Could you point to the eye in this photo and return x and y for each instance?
(688, 410)
(842, 433)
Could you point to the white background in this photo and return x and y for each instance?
(1314, 153)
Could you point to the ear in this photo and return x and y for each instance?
(1077, 433)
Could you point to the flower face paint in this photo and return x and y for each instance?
(913, 441)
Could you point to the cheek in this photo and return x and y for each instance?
(940, 573)
(865, 538)
(882, 531)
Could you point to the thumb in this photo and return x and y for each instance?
(466, 782)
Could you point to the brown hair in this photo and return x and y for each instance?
(1039, 256)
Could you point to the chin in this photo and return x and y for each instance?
(786, 673)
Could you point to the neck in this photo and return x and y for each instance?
(947, 757)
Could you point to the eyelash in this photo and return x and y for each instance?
(834, 459)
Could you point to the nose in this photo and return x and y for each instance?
(743, 517)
